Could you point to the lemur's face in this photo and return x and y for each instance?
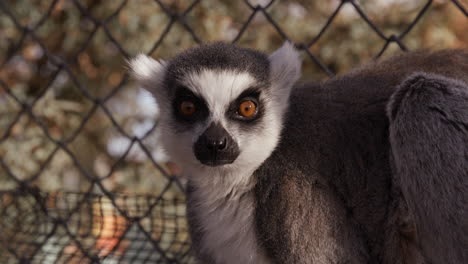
(221, 106)
(218, 114)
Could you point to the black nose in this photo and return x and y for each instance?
(215, 146)
(216, 143)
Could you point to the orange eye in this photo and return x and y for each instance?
(247, 109)
(187, 108)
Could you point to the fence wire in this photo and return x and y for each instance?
(103, 226)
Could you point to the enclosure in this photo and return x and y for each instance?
(83, 178)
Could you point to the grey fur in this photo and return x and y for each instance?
(328, 193)
(429, 137)
(371, 166)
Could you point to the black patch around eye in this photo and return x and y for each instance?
(184, 94)
(250, 94)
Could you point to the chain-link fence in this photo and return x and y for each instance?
(62, 201)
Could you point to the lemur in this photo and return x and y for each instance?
(366, 167)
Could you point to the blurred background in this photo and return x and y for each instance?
(76, 132)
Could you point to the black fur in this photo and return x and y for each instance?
(349, 184)
(201, 109)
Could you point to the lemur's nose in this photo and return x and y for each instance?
(216, 143)
(215, 138)
(215, 146)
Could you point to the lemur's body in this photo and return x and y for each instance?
(340, 165)
(338, 183)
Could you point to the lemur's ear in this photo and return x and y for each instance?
(285, 66)
(148, 72)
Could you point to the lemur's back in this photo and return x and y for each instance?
(335, 145)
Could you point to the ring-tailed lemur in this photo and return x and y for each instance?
(368, 167)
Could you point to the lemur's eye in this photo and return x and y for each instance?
(187, 108)
(247, 108)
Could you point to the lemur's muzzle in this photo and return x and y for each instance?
(216, 147)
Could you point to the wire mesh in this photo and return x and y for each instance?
(98, 225)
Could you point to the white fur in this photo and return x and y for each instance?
(285, 65)
(285, 71)
(145, 67)
(223, 203)
(227, 221)
(147, 71)
(218, 88)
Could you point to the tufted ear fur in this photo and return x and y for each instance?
(148, 72)
(285, 67)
